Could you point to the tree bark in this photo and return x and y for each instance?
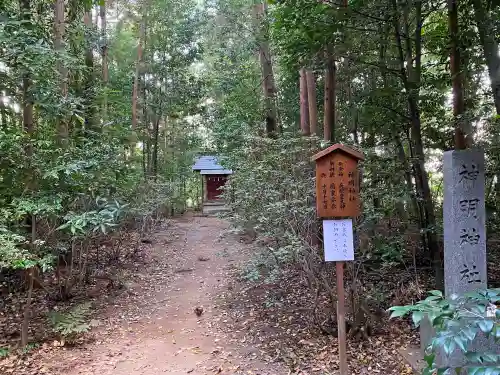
(304, 105)
(148, 151)
(491, 55)
(410, 77)
(351, 117)
(463, 132)
(329, 103)
(156, 131)
(97, 13)
(490, 48)
(146, 118)
(89, 81)
(27, 310)
(29, 129)
(268, 82)
(104, 55)
(59, 32)
(401, 155)
(311, 98)
(27, 108)
(138, 69)
(3, 113)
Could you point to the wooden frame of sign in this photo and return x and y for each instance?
(337, 197)
(337, 182)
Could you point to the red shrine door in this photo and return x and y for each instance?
(214, 182)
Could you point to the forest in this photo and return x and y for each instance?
(105, 104)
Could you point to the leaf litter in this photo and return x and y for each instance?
(239, 332)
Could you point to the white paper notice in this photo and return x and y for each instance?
(338, 240)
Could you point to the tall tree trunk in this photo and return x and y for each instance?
(311, 98)
(268, 82)
(463, 132)
(490, 48)
(89, 81)
(96, 20)
(138, 71)
(156, 131)
(146, 118)
(148, 151)
(144, 166)
(165, 140)
(27, 309)
(3, 113)
(351, 116)
(401, 156)
(304, 105)
(59, 31)
(27, 108)
(330, 98)
(104, 54)
(146, 131)
(29, 129)
(489, 44)
(411, 81)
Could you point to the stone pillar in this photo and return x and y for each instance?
(464, 222)
(464, 225)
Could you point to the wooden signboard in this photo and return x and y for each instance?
(337, 182)
(337, 197)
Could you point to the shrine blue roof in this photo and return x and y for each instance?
(209, 163)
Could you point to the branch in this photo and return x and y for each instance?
(355, 11)
(395, 111)
(381, 67)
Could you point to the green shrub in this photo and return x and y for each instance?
(4, 352)
(70, 324)
(457, 322)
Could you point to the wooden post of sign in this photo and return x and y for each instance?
(341, 329)
(337, 197)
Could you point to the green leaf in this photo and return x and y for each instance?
(479, 309)
(461, 343)
(486, 325)
(399, 311)
(491, 357)
(429, 359)
(449, 346)
(431, 299)
(496, 331)
(473, 357)
(436, 293)
(417, 317)
(470, 332)
(444, 371)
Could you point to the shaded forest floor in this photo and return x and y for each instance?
(151, 326)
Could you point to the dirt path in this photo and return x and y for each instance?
(152, 328)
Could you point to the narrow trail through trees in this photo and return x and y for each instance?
(153, 328)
